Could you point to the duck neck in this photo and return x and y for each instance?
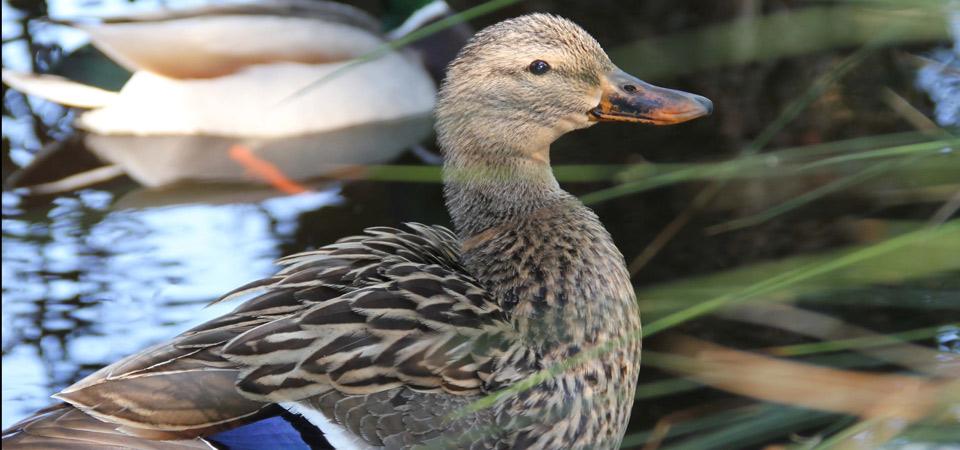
(484, 193)
(558, 277)
(539, 251)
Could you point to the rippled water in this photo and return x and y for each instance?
(83, 285)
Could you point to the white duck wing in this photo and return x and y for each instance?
(267, 101)
(249, 71)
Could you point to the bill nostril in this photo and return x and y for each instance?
(629, 88)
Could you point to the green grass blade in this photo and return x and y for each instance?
(859, 343)
(926, 258)
(807, 197)
(773, 423)
(803, 273)
(724, 418)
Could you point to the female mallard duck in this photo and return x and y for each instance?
(391, 338)
(209, 78)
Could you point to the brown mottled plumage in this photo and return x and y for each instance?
(394, 336)
(539, 251)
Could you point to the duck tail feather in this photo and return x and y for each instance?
(58, 89)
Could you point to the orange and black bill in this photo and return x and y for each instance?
(628, 99)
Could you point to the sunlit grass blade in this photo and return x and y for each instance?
(780, 163)
(639, 177)
(808, 197)
(774, 422)
(841, 335)
(795, 160)
(859, 393)
(923, 148)
(859, 428)
(620, 190)
(944, 432)
(927, 258)
(857, 343)
(701, 424)
(810, 270)
(665, 387)
(845, 146)
(671, 386)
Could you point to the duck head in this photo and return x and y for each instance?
(520, 84)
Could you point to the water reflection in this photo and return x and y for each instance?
(282, 102)
(83, 285)
(156, 161)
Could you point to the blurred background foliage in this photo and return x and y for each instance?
(795, 255)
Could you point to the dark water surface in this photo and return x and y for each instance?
(96, 274)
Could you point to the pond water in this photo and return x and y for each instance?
(94, 274)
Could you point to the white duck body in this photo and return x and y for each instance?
(250, 104)
(207, 79)
(254, 75)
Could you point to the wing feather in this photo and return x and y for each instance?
(386, 309)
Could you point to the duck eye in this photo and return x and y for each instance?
(539, 67)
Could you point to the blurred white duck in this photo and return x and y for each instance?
(218, 88)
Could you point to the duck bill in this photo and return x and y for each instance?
(626, 98)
